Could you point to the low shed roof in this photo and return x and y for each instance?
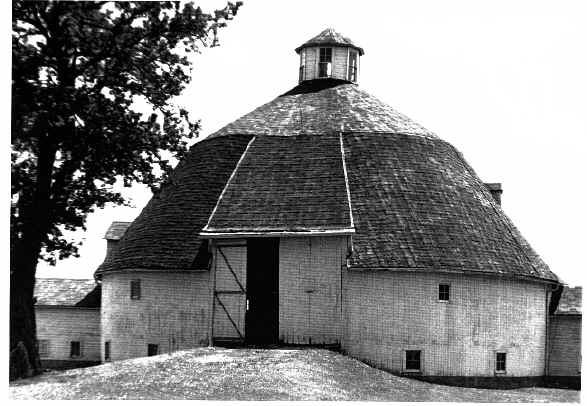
(66, 292)
(116, 230)
(570, 301)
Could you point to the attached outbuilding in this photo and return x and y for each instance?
(326, 217)
(564, 355)
(67, 315)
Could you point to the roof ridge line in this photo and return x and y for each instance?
(228, 182)
(346, 180)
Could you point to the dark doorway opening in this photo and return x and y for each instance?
(262, 317)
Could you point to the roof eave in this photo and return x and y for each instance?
(275, 233)
(329, 44)
(533, 278)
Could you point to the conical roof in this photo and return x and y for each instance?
(323, 106)
(328, 158)
(330, 37)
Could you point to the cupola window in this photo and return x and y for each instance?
(352, 73)
(325, 63)
(302, 65)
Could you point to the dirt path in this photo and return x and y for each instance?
(249, 374)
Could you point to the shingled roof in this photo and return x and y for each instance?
(341, 107)
(330, 37)
(166, 233)
(116, 230)
(66, 292)
(571, 301)
(416, 204)
(286, 184)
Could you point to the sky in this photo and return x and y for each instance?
(505, 82)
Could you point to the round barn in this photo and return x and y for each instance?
(326, 217)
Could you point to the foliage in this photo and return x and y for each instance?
(79, 68)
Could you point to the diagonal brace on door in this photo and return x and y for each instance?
(228, 315)
(231, 270)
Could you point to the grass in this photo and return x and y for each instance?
(257, 374)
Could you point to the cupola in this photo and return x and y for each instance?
(329, 55)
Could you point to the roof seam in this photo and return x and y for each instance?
(346, 181)
(228, 182)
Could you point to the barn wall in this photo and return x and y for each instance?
(172, 312)
(309, 289)
(61, 325)
(390, 312)
(565, 345)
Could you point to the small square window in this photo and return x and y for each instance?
(152, 349)
(75, 349)
(135, 289)
(500, 362)
(107, 351)
(413, 360)
(444, 292)
(43, 348)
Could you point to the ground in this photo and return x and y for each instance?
(257, 374)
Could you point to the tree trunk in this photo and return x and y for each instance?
(24, 355)
(24, 256)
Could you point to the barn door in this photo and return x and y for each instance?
(230, 293)
(263, 290)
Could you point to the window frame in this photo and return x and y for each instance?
(440, 285)
(498, 362)
(420, 361)
(352, 70)
(326, 63)
(72, 347)
(43, 347)
(107, 350)
(135, 289)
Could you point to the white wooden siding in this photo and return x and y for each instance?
(309, 289)
(173, 312)
(61, 325)
(388, 312)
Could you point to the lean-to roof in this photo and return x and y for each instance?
(570, 301)
(66, 292)
(116, 230)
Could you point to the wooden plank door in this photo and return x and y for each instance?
(230, 293)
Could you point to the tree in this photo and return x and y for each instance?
(78, 67)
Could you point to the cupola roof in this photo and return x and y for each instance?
(330, 37)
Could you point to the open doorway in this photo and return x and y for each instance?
(262, 317)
